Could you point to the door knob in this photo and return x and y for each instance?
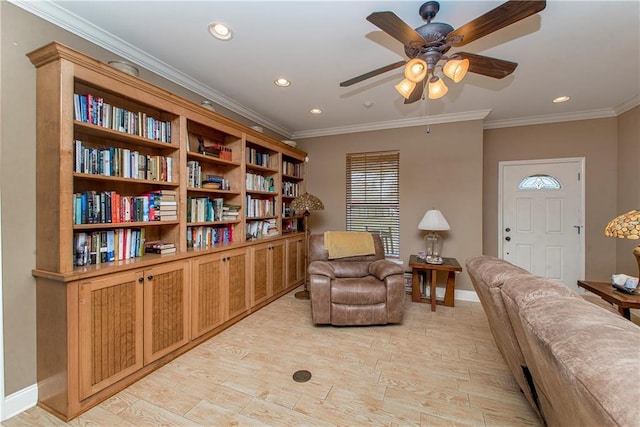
(508, 239)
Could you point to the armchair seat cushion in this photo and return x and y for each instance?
(358, 291)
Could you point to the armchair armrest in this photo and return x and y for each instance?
(322, 268)
(383, 268)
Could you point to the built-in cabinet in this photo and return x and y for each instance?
(268, 271)
(120, 164)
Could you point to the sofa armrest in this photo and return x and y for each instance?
(322, 268)
(383, 268)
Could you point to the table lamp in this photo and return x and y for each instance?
(626, 226)
(433, 221)
(305, 203)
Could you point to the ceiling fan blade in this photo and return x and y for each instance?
(500, 17)
(416, 95)
(487, 66)
(373, 73)
(396, 28)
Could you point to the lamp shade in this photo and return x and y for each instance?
(437, 88)
(433, 220)
(405, 87)
(625, 226)
(415, 70)
(306, 202)
(456, 69)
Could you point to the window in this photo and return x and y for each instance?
(539, 182)
(373, 196)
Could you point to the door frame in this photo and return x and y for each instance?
(581, 203)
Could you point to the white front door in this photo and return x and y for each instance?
(541, 217)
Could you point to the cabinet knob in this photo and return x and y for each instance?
(140, 279)
(150, 277)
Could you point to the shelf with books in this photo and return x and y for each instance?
(101, 107)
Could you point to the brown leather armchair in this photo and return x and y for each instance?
(361, 290)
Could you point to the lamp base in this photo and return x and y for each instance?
(430, 259)
(302, 295)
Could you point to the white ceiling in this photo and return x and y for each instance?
(589, 50)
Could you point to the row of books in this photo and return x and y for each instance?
(292, 169)
(107, 207)
(92, 109)
(160, 247)
(106, 246)
(256, 157)
(256, 182)
(204, 209)
(261, 229)
(214, 150)
(291, 225)
(260, 207)
(290, 189)
(207, 237)
(121, 162)
(216, 182)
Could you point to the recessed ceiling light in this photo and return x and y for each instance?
(561, 99)
(220, 31)
(282, 82)
(367, 104)
(315, 111)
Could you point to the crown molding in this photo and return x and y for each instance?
(554, 118)
(393, 124)
(626, 106)
(62, 18)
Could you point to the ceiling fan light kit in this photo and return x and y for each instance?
(437, 88)
(405, 87)
(427, 45)
(456, 69)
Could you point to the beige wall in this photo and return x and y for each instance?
(628, 183)
(442, 169)
(596, 141)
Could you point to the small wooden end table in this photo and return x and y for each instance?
(421, 267)
(608, 293)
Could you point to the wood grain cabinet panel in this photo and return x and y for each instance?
(219, 289)
(166, 309)
(110, 330)
(268, 271)
(296, 248)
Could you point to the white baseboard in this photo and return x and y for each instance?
(20, 401)
(464, 295)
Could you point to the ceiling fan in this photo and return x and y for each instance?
(427, 45)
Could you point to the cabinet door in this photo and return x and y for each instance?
(236, 269)
(261, 287)
(208, 294)
(166, 309)
(277, 261)
(110, 330)
(296, 248)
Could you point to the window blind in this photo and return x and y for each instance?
(373, 196)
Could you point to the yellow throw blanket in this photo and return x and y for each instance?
(341, 244)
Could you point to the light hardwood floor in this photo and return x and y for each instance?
(436, 369)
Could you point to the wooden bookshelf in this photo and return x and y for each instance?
(121, 162)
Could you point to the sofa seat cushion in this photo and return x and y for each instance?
(358, 291)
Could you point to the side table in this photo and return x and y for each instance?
(430, 271)
(606, 291)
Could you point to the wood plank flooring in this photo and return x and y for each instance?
(436, 369)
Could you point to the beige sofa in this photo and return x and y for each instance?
(577, 363)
